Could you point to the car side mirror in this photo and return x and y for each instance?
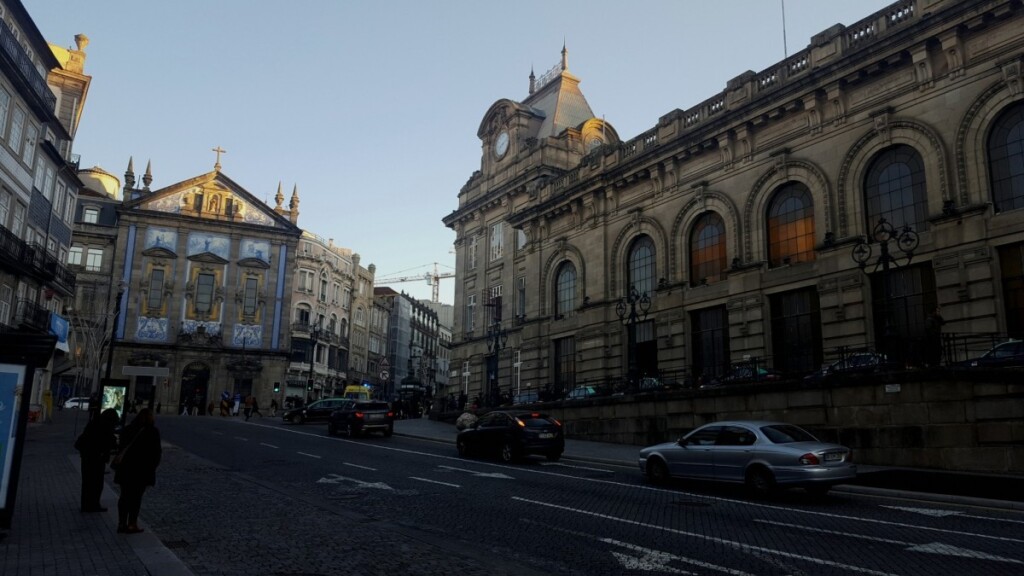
(682, 442)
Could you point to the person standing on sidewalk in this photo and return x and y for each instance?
(135, 468)
(95, 445)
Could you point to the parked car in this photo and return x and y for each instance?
(580, 392)
(77, 403)
(744, 374)
(1009, 354)
(318, 411)
(526, 397)
(511, 435)
(358, 416)
(855, 363)
(763, 455)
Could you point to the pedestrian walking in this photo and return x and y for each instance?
(933, 337)
(256, 408)
(95, 445)
(273, 407)
(135, 468)
(209, 408)
(238, 403)
(247, 410)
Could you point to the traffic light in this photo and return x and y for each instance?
(309, 384)
(277, 387)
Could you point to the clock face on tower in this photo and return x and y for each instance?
(501, 144)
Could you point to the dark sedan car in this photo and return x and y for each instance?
(356, 417)
(318, 411)
(745, 374)
(1009, 354)
(762, 455)
(856, 363)
(512, 434)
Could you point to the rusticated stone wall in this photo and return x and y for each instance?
(963, 422)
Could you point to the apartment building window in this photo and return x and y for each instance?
(323, 287)
(521, 297)
(69, 209)
(894, 189)
(94, 259)
(494, 301)
(471, 253)
(203, 299)
(796, 329)
(335, 293)
(346, 299)
(642, 270)
(75, 256)
(17, 128)
(5, 207)
(497, 241)
(156, 289)
(360, 317)
(19, 219)
(5, 105)
(707, 250)
(306, 281)
(520, 240)
(470, 309)
(564, 364)
(47, 189)
(90, 216)
(710, 341)
(58, 198)
(249, 301)
(31, 136)
(5, 304)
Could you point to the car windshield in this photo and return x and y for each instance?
(787, 433)
(534, 420)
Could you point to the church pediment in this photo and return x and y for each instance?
(214, 197)
(253, 263)
(208, 258)
(159, 253)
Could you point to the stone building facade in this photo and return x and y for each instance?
(735, 230)
(204, 276)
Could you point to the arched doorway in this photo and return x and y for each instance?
(195, 383)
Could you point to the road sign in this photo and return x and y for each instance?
(384, 375)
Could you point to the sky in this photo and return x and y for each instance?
(371, 108)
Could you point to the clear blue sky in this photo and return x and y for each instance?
(372, 107)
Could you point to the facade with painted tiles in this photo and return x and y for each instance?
(742, 221)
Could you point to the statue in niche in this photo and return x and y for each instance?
(214, 204)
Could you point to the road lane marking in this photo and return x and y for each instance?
(360, 467)
(637, 549)
(930, 548)
(434, 482)
(242, 438)
(310, 455)
(576, 467)
(943, 513)
(339, 479)
(739, 545)
(268, 445)
(479, 474)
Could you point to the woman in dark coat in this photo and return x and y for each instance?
(140, 455)
(95, 445)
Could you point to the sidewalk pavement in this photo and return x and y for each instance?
(50, 537)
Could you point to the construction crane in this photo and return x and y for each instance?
(433, 280)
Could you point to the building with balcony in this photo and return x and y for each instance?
(42, 93)
(832, 200)
(326, 347)
(204, 279)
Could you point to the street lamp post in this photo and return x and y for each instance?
(626, 310)
(110, 351)
(906, 241)
(497, 339)
(314, 338)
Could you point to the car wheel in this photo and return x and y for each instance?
(760, 481)
(657, 471)
(554, 456)
(462, 448)
(298, 419)
(390, 430)
(508, 452)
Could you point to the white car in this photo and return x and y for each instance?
(79, 403)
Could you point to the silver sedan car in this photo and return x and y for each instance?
(763, 455)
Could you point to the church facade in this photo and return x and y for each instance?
(203, 277)
(830, 202)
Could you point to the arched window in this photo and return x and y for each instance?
(707, 250)
(895, 189)
(565, 289)
(642, 268)
(1006, 159)
(791, 225)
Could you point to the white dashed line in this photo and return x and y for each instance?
(434, 482)
(310, 455)
(268, 445)
(360, 467)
